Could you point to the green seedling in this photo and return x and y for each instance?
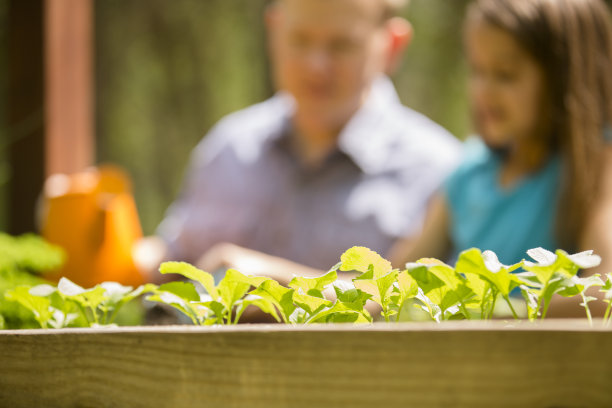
(221, 304)
(467, 291)
(554, 273)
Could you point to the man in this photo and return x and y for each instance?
(332, 161)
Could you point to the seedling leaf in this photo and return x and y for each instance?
(193, 273)
(278, 295)
(360, 259)
(313, 284)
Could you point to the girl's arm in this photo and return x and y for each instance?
(598, 237)
(434, 241)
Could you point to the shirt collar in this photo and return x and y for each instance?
(366, 134)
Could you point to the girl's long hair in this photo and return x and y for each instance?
(572, 42)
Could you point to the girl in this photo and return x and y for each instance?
(541, 93)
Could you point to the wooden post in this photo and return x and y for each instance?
(25, 112)
(69, 85)
(50, 98)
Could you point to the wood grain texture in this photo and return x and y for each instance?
(557, 364)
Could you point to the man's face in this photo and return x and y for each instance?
(326, 54)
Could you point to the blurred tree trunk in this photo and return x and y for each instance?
(166, 72)
(432, 78)
(25, 127)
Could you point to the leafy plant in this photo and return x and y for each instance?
(313, 307)
(68, 304)
(303, 302)
(29, 253)
(377, 277)
(469, 290)
(498, 279)
(23, 262)
(221, 304)
(607, 290)
(555, 273)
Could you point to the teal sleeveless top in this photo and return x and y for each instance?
(507, 221)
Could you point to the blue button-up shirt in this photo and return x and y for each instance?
(246, 186)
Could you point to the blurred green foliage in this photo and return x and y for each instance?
(23, 260)
(432, 77)
(165, 74)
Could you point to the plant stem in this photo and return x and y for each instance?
(282, 314)
(586, 307)
(494, 294)
(545, 310)
(95, 315)
(114, 314)
(84, 313)
(507, 299)
(540, 303)
(238, 314)
(399, 311)
(483, 304)
(464, 311)
(43, 323)
(385, 311)
(606, 318)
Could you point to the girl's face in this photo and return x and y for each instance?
(506, 87)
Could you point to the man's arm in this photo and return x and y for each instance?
(250, 262)
(226, 255)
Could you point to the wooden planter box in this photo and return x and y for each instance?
(463, 364)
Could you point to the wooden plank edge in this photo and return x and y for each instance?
(552, 325)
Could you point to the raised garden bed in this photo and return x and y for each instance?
(455, 364)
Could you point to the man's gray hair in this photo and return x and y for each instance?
(393, 7)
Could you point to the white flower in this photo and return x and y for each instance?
(542, 257)
(68, 288)
(584, 260)
(42, 290)
(115, 291)
(492, 262)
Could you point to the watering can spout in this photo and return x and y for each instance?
(93, 216)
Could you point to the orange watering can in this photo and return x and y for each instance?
(92, 215)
